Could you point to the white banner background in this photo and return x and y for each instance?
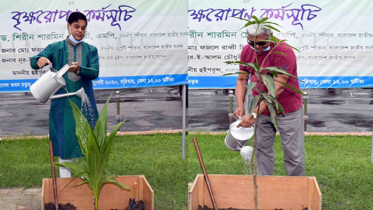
(140, 43)
(335, 39)
(146, 45)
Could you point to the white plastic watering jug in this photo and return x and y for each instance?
(238, 137)
(49, 83)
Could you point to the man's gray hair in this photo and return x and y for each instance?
(253, 28)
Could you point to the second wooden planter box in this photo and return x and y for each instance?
(274, 192)
(111, 196)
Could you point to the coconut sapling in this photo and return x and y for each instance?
(96, 149)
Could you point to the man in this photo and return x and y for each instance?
(290, 124)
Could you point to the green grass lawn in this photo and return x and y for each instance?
(342, 165)
(158, 157)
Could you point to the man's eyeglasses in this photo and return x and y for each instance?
(261, 43)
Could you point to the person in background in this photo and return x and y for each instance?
(84, 68)
(290, 124)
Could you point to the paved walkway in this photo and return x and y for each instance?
(144, 109)
(20, 198)
(329, 110)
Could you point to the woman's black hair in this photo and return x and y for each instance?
(76, 16)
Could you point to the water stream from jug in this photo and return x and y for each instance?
(246, 167)
(87, 109)
(246, 153)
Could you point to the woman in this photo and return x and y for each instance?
(83, 59)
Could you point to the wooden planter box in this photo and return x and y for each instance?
(111, 196)
(274, 192)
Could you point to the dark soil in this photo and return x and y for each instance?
(139, 206)
(52, 206)
(207, 208)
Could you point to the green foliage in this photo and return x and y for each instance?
(296, 90)
(274, 71)
(96, 148)
(281, 53)
(268, 81)
(271, 27)
(272, 113)
(294, 48)
(270, 99)
(254, 102)
(251, 86)
(228, 74)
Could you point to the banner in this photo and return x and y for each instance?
(335, 39)
(140, 43)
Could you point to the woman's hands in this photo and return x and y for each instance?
(74, 68)
(42, 61)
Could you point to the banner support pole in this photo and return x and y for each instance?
(184, 97)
